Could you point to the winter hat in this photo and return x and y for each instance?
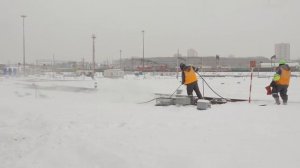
(182, 65)
(282, 62)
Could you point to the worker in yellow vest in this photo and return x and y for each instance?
(280, 82)
(189, 78)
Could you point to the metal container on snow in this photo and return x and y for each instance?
(203, 104)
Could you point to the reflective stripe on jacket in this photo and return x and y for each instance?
(190, 76)
(284, 77)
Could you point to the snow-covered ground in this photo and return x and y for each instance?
(69, 123)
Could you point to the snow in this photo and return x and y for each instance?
(69, 123)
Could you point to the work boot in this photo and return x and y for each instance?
(284, 99)
(277, 101)
(194, 101)
(284, 102)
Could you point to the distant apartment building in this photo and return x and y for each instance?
(192, 53)
(282, 51)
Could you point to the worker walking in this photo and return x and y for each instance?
(280, 82)
(189, 78)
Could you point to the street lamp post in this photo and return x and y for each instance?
(93, 37)
(143, 51)
(24, 16)
(272, 58)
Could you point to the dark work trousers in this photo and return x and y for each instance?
(282, 90)
(193, 87)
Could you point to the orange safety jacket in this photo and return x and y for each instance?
(284, 77)
(190, 76)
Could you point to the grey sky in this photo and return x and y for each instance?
(64, 28)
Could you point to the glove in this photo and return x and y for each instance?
(269, 90)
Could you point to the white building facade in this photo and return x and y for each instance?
(192, 53)
(282, 51)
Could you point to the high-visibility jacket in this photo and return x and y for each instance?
(284, 77)
(190, 76)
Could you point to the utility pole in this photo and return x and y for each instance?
(93, 37)
(120, 59)
(24, 16)
(177, 64)
(83, 67)
(53, 63)
(132, 64)
(217, 63)
(202, 64)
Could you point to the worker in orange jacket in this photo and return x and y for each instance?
(280, 82)
(189, 78)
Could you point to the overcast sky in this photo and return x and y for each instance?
(225, 27)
